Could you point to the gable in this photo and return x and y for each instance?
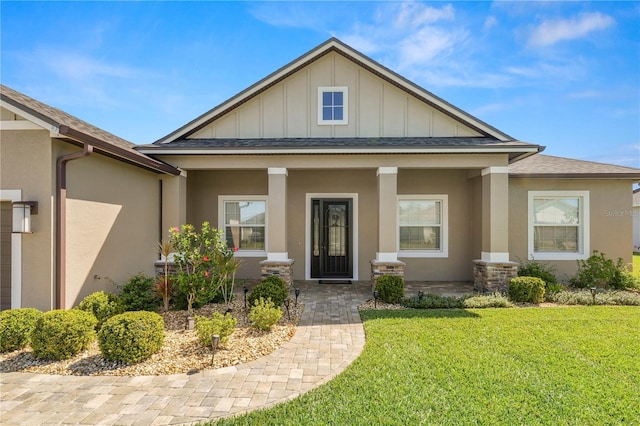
(380, 103)
(376, 108)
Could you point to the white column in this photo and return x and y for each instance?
(277, 215)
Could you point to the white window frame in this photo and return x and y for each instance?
(444, 225)
(345, 107)
(583, 226)
(222, 199)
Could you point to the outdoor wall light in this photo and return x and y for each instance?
(215, 341)
(246, 290)
(375, 299)
(594, 291)
(297, 294)
(22, 211)
(420, 294)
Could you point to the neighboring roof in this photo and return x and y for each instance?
(68, 126)
(340, 145)
(334, 45)
(547, 166)
(636, 197)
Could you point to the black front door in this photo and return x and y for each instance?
(331, 238)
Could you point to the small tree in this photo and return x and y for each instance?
(205, 263)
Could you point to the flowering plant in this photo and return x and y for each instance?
(205, 263)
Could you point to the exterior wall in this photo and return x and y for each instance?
(26, 164)
(376, 108)
(636, 229)
(458, 265)
(610, 221)
(112, 224)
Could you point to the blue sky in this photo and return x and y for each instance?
(561, 74)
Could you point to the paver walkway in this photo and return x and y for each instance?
(329, 337)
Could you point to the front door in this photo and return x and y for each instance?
(331, 238)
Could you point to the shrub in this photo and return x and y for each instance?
(274, 288)
(264, 314)
(431, 301)
(61, 334)
(102, 305)
(526, 290)
(139, 294)
(15, 328)
(533, 268)
(598, 271)
(222, 325)
(495, 300)
(390, 288)
(131, 337)
(584, 297)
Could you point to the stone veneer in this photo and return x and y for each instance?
(278, 268)
(493, 276)
(380, 268)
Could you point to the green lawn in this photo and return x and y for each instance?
(636, 263)
(552, 366)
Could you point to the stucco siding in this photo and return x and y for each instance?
(457, 266)
(376, 108)
(609, 213)
(112, 224)
(25, 164)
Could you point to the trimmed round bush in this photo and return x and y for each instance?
(526, 290)
(61, 334)
(139, 294)
(102, 305)
(16, 326)
(131, 337)
(222, 325)
(264, 314)
(274, 288)
(390, 288)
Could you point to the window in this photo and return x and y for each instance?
(558, 225)
(243, 220)
(422, 230)
(332, 105)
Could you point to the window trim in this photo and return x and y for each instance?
(444, 226)
(583, 226)
(345, 98)
(222, 199)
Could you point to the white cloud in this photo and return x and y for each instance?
(551, 32)
(490, 22)
(413, 15)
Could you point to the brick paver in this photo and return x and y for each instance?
(329, 337)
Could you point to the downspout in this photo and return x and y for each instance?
(61, 221)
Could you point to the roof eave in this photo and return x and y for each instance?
(632, 176)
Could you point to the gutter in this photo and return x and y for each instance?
(61, 221)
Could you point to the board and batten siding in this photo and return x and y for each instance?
(289, 109)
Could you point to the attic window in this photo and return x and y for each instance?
(333, 105)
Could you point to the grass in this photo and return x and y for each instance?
(552, 366)
(636, 263)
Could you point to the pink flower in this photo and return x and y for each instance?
(175, 229)
(205, 258)
(235, 249)
(206, 274)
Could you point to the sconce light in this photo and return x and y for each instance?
(22, 211)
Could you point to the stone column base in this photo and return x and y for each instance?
(278, 268)
(493, 276)
(380, 268)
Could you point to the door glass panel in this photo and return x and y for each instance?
(336, 216)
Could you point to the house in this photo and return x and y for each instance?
(636, 220)
(333, 168)
(92, 202)
(336, 168)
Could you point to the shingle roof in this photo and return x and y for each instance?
(72, 127)
(547, 166)
(384, 142)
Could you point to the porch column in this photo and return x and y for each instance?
(278, 262)
(174, 202)
(386, 261)
(387, 214)
(494, 270)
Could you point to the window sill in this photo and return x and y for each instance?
(250, 253)
(558, 256)
(423, 254)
